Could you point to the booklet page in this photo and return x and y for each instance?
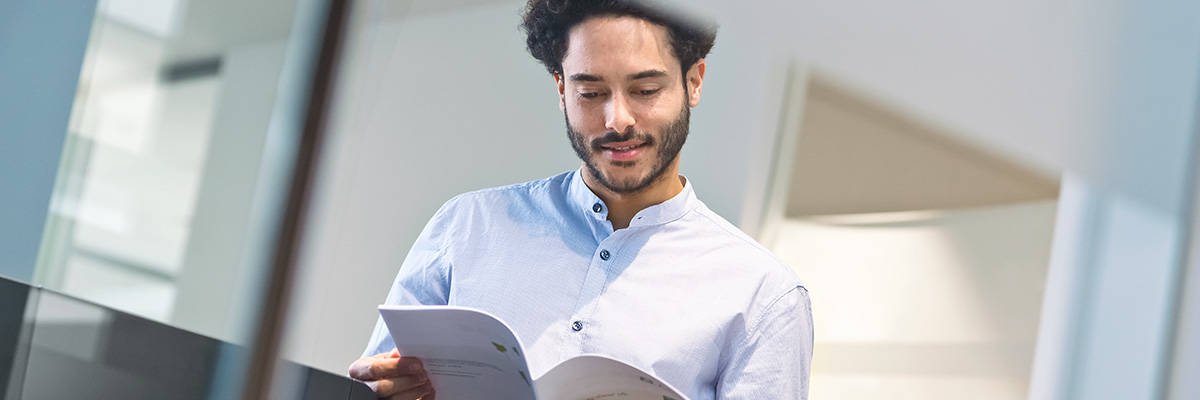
(598, 377)
(468, 354)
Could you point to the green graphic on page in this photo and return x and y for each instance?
(500, 347)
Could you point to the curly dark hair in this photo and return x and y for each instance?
(548, 22)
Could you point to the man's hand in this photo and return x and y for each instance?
(393, 377)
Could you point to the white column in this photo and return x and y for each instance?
(1119, 243)
(219, 269)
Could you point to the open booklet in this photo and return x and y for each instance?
(470, 354)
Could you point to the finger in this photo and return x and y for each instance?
(361, 366)
(395, 386)
(357, 369)
(423, 392)
(369, 368)
(375, 368)
(410, 365)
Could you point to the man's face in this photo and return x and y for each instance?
(624, 100)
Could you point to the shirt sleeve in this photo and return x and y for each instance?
(774, 358)
(424, 277)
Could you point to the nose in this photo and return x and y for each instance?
(618, 118)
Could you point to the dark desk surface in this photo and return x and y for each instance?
(56, 347)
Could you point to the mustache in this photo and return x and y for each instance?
(614, 137)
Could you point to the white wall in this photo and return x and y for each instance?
(1026, 78)
(923, 304)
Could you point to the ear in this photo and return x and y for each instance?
(695, 81)
(562, 90)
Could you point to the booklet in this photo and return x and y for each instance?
(470, 354)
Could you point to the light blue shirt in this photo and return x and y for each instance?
(681, 292)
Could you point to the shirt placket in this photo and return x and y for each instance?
(583, 324)
(579, 325)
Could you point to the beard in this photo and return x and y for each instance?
(665, 150)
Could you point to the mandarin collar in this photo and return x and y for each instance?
(582, 197)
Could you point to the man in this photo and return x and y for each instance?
(618, 257)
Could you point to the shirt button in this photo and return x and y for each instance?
(604, 255)
(577, 326)
(597, 207)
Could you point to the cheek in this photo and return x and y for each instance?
(586, 120)
(663, 109)
(660, 116)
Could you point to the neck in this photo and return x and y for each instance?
(623, 206)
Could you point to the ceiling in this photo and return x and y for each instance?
(854, 155)
(202, 29)
(205, 29)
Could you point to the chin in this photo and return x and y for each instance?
(622, 173)
(625, 181)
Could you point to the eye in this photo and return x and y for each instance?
(647, 92)
(591, 93)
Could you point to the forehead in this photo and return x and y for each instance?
(617, 46)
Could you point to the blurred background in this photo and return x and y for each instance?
(992, 200)
(159, 172)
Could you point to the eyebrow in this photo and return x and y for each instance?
(650, 73)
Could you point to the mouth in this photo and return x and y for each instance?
(623, 151)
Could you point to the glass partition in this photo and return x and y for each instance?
(167, 161)
(56, 346)
(173, 196)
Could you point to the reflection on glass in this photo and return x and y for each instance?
(159, 170)
(16, 301)
(131, 166)
(54, 346)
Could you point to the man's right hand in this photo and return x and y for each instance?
(393, 377)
